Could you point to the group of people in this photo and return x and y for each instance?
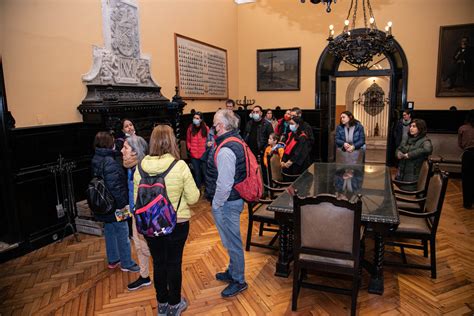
(122, 182)
(290, 138)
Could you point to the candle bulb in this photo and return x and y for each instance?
(331, 31)
(346, 25)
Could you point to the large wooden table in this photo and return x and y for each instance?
(379, 211)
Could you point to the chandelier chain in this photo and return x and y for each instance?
(354, 17)
(350, 10)
(365, 13)
(371, 13)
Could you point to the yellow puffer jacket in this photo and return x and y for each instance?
(178, 181)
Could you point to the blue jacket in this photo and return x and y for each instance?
(359, 136)
(114, 178)
(240, 168)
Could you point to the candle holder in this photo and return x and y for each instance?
(245, 102)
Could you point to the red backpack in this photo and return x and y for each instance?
(251, 188)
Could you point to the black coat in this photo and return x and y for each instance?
(264, 129)
(114, 177)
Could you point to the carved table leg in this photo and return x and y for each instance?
(376, 285)
(283, 263)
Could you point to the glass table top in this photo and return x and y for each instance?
(371, 181)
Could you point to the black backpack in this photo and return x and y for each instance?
(100, 200)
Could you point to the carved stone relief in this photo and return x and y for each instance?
(120, 61)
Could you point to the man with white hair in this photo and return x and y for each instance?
(222, 174)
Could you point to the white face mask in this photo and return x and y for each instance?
(293, 128)
(196, 122)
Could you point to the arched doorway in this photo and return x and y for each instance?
(328, 69)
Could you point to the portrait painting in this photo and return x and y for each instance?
(456, 61)
(278, 69)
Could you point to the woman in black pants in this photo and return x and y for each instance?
(167, 250)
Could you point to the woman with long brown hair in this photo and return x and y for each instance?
(167, 250)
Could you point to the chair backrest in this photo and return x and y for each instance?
(183, 151)
(424, 176)
(327, 226)
(435, 196)
(275, 167)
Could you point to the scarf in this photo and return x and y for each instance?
(349, 132)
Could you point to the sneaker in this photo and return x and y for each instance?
(163, 309)
(140, 282)
(234, 288)
(175, 310)
(134, 268)
(224, 276)
(113, 265)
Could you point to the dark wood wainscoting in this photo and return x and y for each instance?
(442, 121)
(32, 216)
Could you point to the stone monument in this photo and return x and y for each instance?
(119, 83)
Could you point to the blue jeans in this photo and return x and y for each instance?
(117, 243)
(227, 220)
(199, 171)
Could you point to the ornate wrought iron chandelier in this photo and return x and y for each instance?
(326, 2)
(358, 46)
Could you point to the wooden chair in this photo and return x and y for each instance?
(258, 213)
(414, 200)
(276, 176)
(421, 226)
(327, 238)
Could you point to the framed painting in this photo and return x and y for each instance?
(456, 61)
(278, 69)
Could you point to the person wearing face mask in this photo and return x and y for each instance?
(196, 137)
(413, 150)
(223, 172)
(308, 130)
(296, 157)
(282, 128)
(257, 131)
(350, 140)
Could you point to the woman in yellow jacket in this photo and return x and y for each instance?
(167, 250)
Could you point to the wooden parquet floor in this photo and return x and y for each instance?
(71, 278)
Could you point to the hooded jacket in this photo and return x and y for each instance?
(114, 178)
(179, 182)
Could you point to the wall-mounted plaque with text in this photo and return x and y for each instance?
(201, 69)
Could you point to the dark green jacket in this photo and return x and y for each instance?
(418, 149)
